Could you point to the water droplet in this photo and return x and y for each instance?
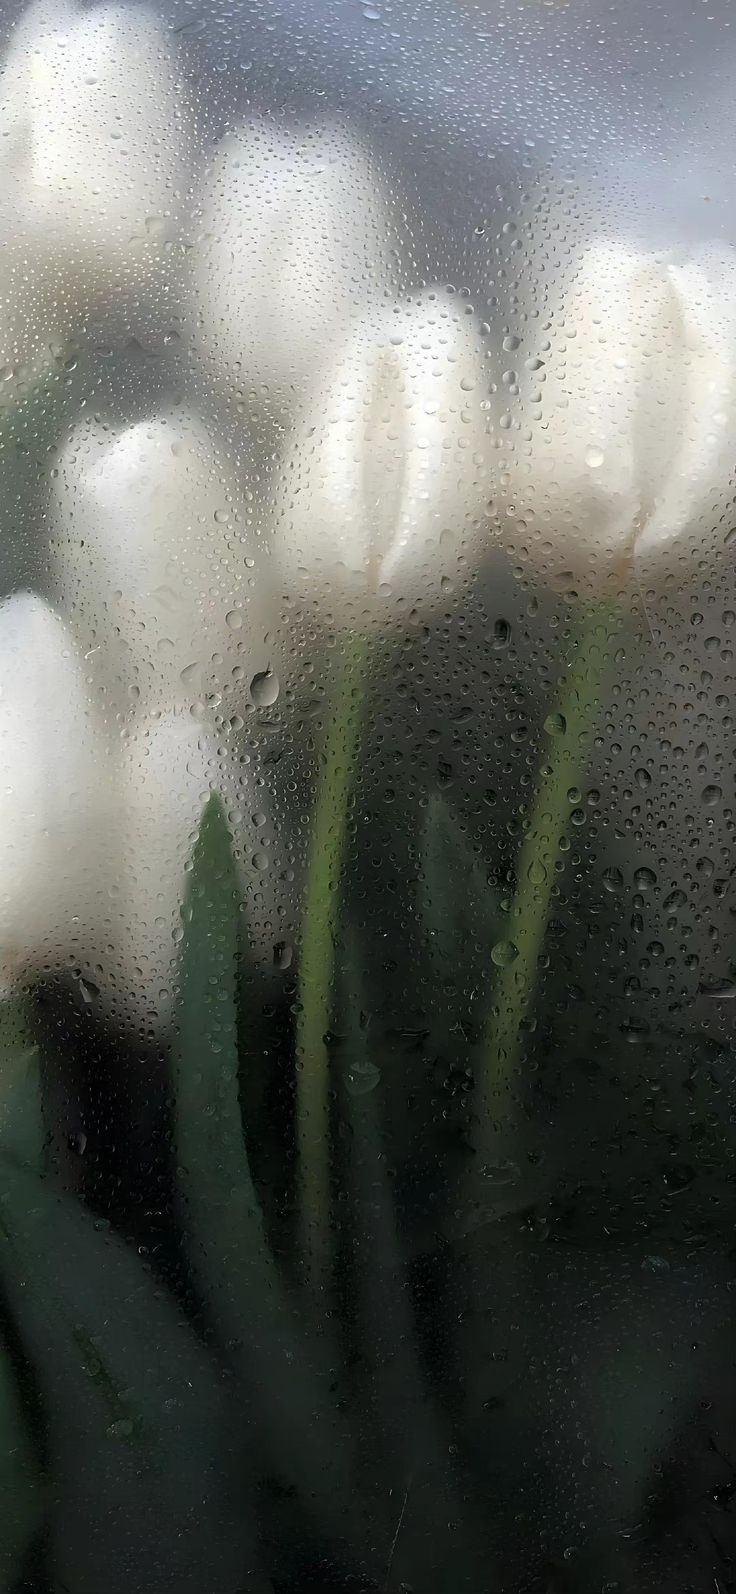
(504, 953)
(655, 1264)
(721, 990)
(191, 675)
(675, 901)
(362, 1078)
(501, 634)
(264, 688)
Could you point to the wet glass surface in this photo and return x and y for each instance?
(367, 617)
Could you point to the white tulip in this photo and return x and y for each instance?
(158, 565)
(57, 798)
(95, 154)
(95, 835)
(385, 485)
(296, 234)
(618, 438)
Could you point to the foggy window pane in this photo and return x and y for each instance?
(367, 628)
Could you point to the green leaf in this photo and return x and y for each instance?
(22, 1489)
(136, 1427)
(287, 1382)
(147, 1486)
(411, 1449)
(214, 1165)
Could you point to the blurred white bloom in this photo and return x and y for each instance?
(56, 795)
(158, 565)
(95, 152)
(296, 235)
(95, 835)
(619, 436)
(384, 488)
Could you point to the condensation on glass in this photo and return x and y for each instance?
(367, 483)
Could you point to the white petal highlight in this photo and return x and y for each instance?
(95, 161)
(158, 563)
(617, 442)
(385, 485)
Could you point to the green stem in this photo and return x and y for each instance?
(321, 913)
(569, 730)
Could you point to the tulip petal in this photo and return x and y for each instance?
(96, 155)
(157, 565)
(614, 442)
(385, 484)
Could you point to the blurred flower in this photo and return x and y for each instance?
(385, 485)
(296, 235)
(95, 153)
(157, 565)
(158, 568)
(95, 834)
(56, 794)
(379, 494)
(616, 437)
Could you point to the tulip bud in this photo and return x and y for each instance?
(616, 438)
(295, 237)
(385, 485)
(158, 565)
(94, 154)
